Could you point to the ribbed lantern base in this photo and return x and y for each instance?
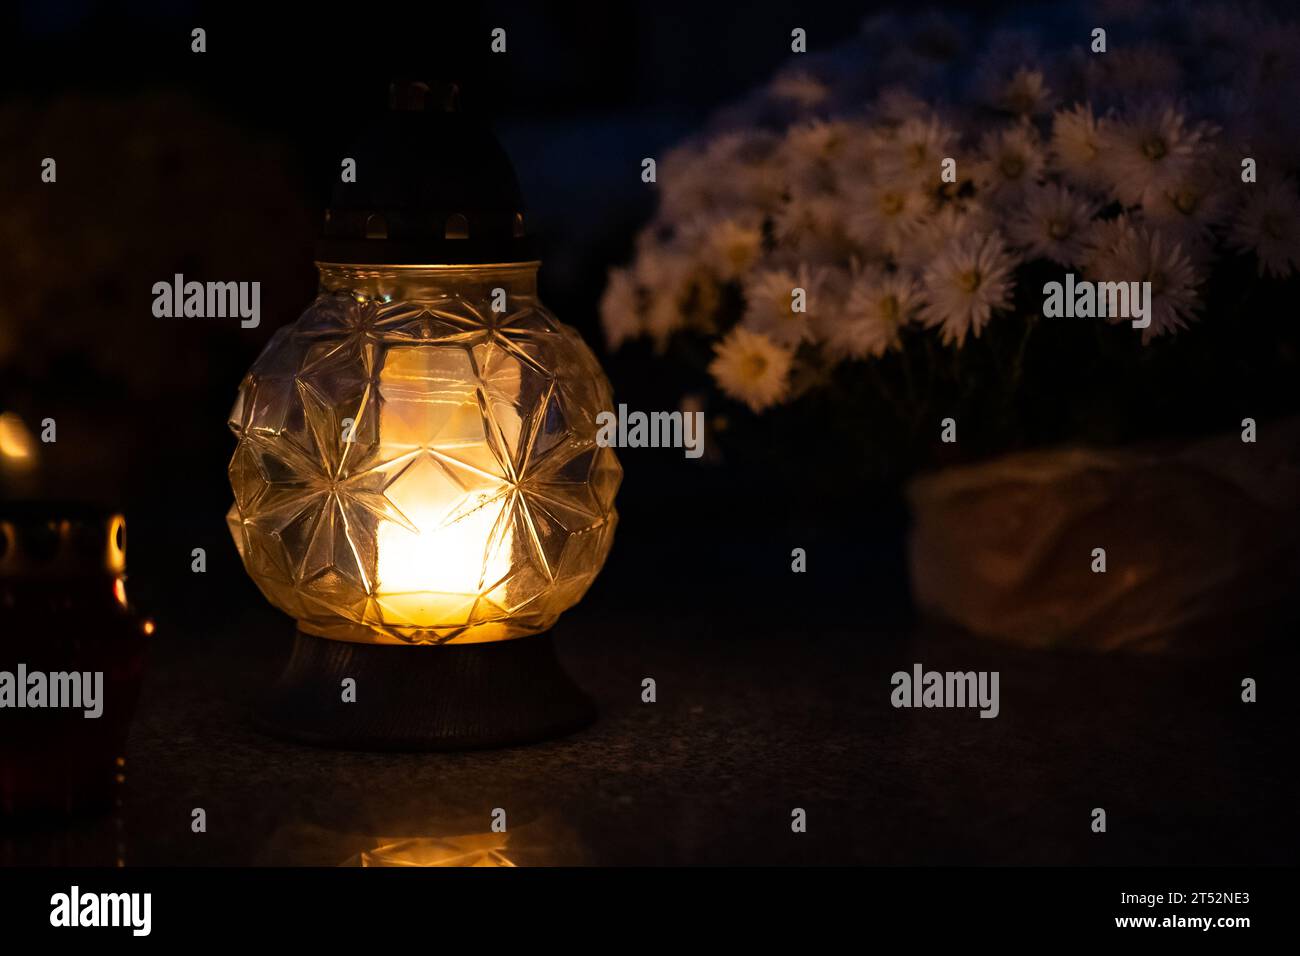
(453, 697)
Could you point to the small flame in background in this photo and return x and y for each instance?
(17, 447)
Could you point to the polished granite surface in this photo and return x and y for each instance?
(749, 724)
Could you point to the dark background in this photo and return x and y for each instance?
(217, 165)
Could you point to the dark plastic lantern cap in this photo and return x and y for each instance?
(433, 187)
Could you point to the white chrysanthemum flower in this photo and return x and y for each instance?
(857, 162)
(809, 154)
(688, 186)
(733, 173)
(1136, 253)
(753, 166)
(878, 305)
(663, 315)
(811, 227)
(659, 266)
(620, 313)
(1148, 152)
(770, 303)
(817, 139)
(1011, 160)
(1102, 238)
(742, 147)
(761, 187)
(1268, 224)
(972, 276)
(883, 213)
(1052, 223)
(678, 290)
(912, 152)
(727, 247)
(939, 227)
(1191, 209)
(1025, 94)
(1076, 144)
(752, 368)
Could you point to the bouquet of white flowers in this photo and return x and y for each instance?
(820, 239)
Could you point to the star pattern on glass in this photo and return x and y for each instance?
(422, 472)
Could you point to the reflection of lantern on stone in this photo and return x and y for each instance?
(437, 835)
(416, 470)
(475, 849)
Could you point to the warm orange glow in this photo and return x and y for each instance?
(149, 627)
(431, 567)
(417, 467)
(119, 590)
(478, 849)
(16, 444)
(116, 558)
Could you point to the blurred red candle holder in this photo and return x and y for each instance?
(64, 611)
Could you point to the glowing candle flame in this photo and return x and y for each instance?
(451, 491)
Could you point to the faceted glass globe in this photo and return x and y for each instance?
(417, 459)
